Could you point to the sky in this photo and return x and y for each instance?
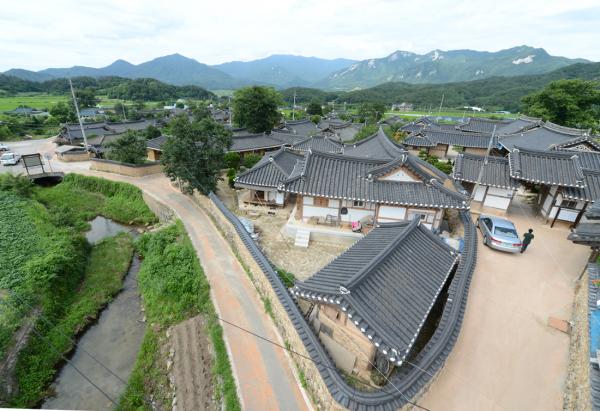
(62, 33)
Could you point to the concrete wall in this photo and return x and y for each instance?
(316, 387)
(477, 151)
(116, 167)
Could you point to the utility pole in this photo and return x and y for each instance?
(441, 104)
(485, 163)
(230, 111)
(294, 107)
(85, 144)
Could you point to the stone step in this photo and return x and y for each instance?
(302, 238)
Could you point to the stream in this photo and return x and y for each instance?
(114, 341)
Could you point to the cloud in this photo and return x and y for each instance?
(64, 33)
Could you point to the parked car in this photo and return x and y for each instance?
(10, 159)
(499, 233)
(3, 147)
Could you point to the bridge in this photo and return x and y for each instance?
(43, 177)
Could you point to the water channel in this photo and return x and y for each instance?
(113, 341)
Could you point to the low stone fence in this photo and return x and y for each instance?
(131, 170)
(311, 377)
(72, 157)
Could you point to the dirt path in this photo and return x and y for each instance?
(506, 356)
(192, 366)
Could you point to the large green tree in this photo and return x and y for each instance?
(256, 108)
(130, 148)
(371, 112)
(62, 112)
(571, 103)
(314, 108)
(194, 153)
(86, 98)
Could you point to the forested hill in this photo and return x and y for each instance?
(494, 93)
(145, 89)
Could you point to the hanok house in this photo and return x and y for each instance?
(154, 147)
(262, 143)
(319, 143)
(378, 303)
(565, 186)
(262, 180)
(496, 187)
(343, 190)
(377, 146)
(303, 127)
(440, 142)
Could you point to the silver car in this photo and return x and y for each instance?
(10, 159)
(499, 233)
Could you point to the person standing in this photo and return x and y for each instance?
(527, 237)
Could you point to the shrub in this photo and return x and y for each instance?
(231, 176)
(250, 160)
(232, 160)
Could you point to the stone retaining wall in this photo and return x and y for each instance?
(70, 158)
(310, 376)
(132, 170)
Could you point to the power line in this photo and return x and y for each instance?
(71, 364)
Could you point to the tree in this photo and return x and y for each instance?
(251, 159)
(130, 148)
(256, 108)
(232, 160)
(200, 111)
(121, 110)
(152, 132)
(194, 153)
(315, 119)
(86, 98)
(571, 103)
(62, 112)
(314, 108)
(371, 112)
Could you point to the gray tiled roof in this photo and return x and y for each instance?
(591, 189)
(593, 212)
(302, 127)
(343, 177)
(482, 125)
(251, 142)
(584, 143)
(538, 138)
(346, 131)
(319, 143)
(271, 170)
(156, 143)
(586, 234)
(123, 126)
(387, 282)
(451, 138)
(418, 139)
(496, 172)
(376, 146)
(546, 167)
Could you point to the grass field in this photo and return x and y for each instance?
(35, 100)
(466, 114)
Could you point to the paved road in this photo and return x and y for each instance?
(264, 372)
(506, 357)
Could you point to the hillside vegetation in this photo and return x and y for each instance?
(145, 89)
(495, 93)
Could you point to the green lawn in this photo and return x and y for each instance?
(36, 100)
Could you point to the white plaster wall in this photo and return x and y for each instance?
(399, 175)
(391, 213)
(480, 193)
(355, 214)
(314, 211)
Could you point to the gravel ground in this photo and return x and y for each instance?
(302, 262)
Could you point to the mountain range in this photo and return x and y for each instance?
(283, 70)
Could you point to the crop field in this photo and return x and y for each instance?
(449, 113)
(35, 100)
